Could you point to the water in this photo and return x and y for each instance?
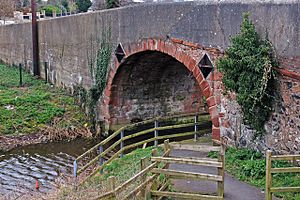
(20, 168)
(52, 162)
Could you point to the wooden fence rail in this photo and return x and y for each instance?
(208, 162)
(119, 139)
(112, 194)
(270, 171)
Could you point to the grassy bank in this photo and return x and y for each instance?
(35, 105)
(122, 168)
(249, 166)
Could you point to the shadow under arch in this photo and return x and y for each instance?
(145, 53)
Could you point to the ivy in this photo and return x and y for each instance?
(99, 73)
(98, 57)
(247, 71)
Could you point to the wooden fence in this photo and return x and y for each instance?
(117, 140)
(270, 171)
(160, 165)
(208, 162)
(139, 190)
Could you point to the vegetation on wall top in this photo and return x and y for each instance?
(247, 71)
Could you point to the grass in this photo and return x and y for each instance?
(27, 109)
(249, 166)
(122, 168)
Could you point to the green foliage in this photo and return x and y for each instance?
(65, 4)
(49, 9)
(248, 165)
(112, 3)
(26, 3)
(98, 69)
(83, 5)
(27, 109)
(247, 71)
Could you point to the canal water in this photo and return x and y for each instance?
(47, 163)
(53, 162)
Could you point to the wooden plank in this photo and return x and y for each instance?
(286, 157)
(199, 161)
(285, 189)
(187, 175)
(197, 158)
(176, 126)
(268, 175)
(221, 172)
(185, 195)
(162, 188)
(110, 148)
(202, 148)
(285, 170)
(106, 196)
(138, 134)
(175, 135)
(164, 118)
(140, 187)
(101, 143)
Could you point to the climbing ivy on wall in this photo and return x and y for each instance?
(98, 61)
(247, 69)
(99, 71)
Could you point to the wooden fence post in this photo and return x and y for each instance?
(122, 144)
(196, 127)
(155, 132)
(268, 175)
(112, 185)
(101, 160)
(144, 177)
(221, 172)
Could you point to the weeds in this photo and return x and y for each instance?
(30, 108)
(249, 166)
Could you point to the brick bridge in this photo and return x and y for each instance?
(169, 63)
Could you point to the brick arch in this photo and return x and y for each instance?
(170, 48)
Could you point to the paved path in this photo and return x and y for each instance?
(234, 189)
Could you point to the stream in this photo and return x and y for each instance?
(47, 163)
(51, 163)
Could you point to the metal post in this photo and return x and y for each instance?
(155, 132)
(196, 128)
(75, 168)
(46, 72)
(122, 144)
(21, 77)
(101, 160)
(35, 49)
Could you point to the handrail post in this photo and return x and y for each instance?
(112, 184)
(155, 132)
(101, 161)
(268, 175)
(221, 172)
(46, 72)
(196, 127)
(122, 144)
(144, 177)
(75, 168)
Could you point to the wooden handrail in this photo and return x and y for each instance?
(128, 127)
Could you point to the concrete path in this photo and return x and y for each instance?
(234, 189)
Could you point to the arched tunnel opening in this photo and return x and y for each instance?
(151, 84)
